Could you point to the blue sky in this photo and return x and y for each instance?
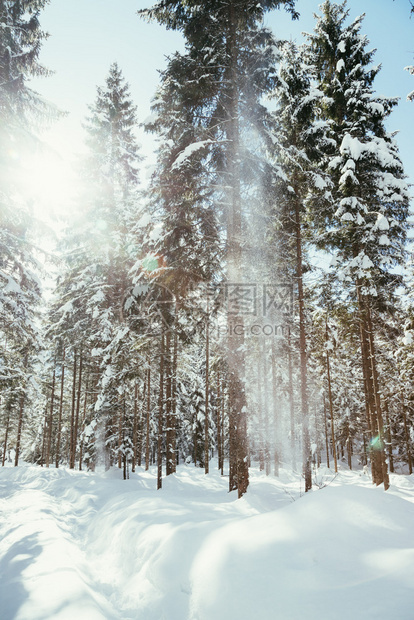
(86, 36)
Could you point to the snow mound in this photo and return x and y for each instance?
(90, 546)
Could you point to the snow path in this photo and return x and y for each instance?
(82, 546)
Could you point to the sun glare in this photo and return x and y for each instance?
(48, 182)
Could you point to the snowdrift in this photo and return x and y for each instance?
(84, 546)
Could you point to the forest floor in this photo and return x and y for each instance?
(91, 546)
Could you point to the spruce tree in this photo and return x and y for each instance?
(218, 84)
(89, 314)
(21, 111)
(364, 218)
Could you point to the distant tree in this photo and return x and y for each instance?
(89, 313)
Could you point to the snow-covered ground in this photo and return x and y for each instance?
(91, 546)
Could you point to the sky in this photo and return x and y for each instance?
(87, 36)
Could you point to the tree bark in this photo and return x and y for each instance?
(307, 456)
(389, 435)
(148, 412)
(206, 401)
(331, 410)
(72, 416)
(6, 436)
(291, 404)
(239, 471)
(59, 425)
(406, 436)
(326, 431)
(19, 429)
(275, 411)
(76, 422)
(160, 413)
(50, 421)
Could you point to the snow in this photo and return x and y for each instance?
(189, 151)
(340, 65)
(92, 546)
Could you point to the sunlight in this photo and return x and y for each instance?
(48, 182)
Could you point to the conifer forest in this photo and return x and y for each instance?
(243, 316)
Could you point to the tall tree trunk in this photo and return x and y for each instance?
(120, 428)
(169, 431)
(206, 400)
(85, 402)
(76, 422)
(50, 422)
(19, 429)
(406, 436)
(331, 409)
(275, 411)
(389, 435)
(218, 415)
(59, 425)
(266, 408)
(380, 423)
(174, 397)
(160, 413)
(326, 431)
(135, 427)
(291, 404)
(6, 436)
(239, 471)
(307, 456)
(378, 463)
(72, 415)
(260, 413)
(148, 412)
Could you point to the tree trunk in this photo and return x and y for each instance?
(19, 429)
(218, 415)
(206, 400)
(389, 435)
(291, 404)
(266, 409)
(85, 401)
(326, 431)
(76, 422)
(260, 414)
(20, 420)
(50, 422)
(275, 411)
(174, 398)
(169, 431)
(239, 471)
(147, 434)
(72, 416)
(6, 435)
(331, 410)
(378, 463)
(406, 436)
(307, 456)
(135, 427)
(59, 425)
(160, 413)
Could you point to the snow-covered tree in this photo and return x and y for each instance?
(89, 313)
(364, 218)
(217, 85)
(21, 110)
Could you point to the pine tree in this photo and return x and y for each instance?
(89, 315)
(218, 84)
(364, 219)
(21, 109)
